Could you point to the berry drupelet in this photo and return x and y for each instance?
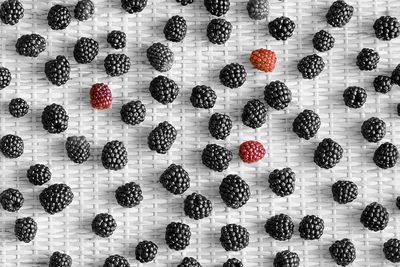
(146, 251)
(220, 126)
(373, 129)
(129, 195)
(391, 249)
(277, 95)
(306, 124)
(311, 66)
(311, 227)
(11, 12)
(58, 70)
(189, 262)
(387, 28)
(86, 50)
(328, 153)
(344, 192)
(117, 64)
(164, 89)
(286, 258)
(114, 156)
(59, 17)
(234, 237)
(12, 146)
(375, 217)
(233, 75)
(160, 57)
(59, 259)
(133, 113)
(55, 119)
(233, 262)
(162, 137)
(339, 14)
(280, 227)
(258, 9)
(5, 77)
(254, 114)
(216, 157)
(383, 84)
(25, 229)
(30, 45)
(185, 2)
(104, 225)
(78, 149)
(282, 182)
(367, 59)
(175, 179)
(84, 10)
(219, 31)
(56, 198)
(203, 97)
(263, 59)
(197, 206)
(343, 252)
(133, 6)
(100, 96)
(386, 156)
(117, 39)
(116, 261)
(281, 28)
(323, 41)
(217, 7)
(234, 191)
(177, 235)
(11, 200)
(354, 97)
(175, 29)
(38, 174)
(18, 107)
(251, 151)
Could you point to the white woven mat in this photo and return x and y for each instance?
(199, 62)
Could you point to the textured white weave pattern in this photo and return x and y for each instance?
(198, 62)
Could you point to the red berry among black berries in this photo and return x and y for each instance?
(84, 10)
(129, 195)
(387, 28)
(25, 229)
(197, 206)
(114, 156)
(323, 41)
(311, 227)
(117, 39)
(383, 84)
(11, 146)
(175, 179)
(11, 200)
(146, 251)
(116, 261)
(117, 64)
(344, 192)
(306, 124)
(177, 235)
(133, 113)
(133, 6)
(233, 75)
(343, 252)
(104, 225)
(375, 217)
(391, 249)
(233, 262)
(216, 157)
(59, 17)
(203, 97)
(368, 59)
(162, 137)
(282, 182)
(280, 227)
(59, 259)
(396, 75)
(373, 129)
(254, 114)
(30, 45)
(78, 149)
(55, 119)
(354, 97)
(38, 174)
(328, 154)
(58, 70)
(286, 258)
(234, 191)
(311, 66)
(339, 14)
(160, 57)
(85, 50)
(219, 31)
(281, 28)
(217, 7)
(164, 89)
(189, 262)
(234, 237)
(56, 198)
(18, 107)
(5, 77)
(11, 12)
(386, 156)
(220, 126)
(175, 29)
(277, 95)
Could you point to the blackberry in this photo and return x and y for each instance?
(311, 66)
(104, 225)
(78, 149)
(197, 206)
(175, 29)
(373, 129)
(280, 227)
(396, 75)
(277, 95)
(398, 202)
(216, 157)
(189, 262)
(12, 146)
(117, 39)
(219, 31)
(129, 195)
(234, 237)
(133, 113)
(18, 107)
(398, 109)
(116, 261)
(56, 198)
(117, 64)
(306, 124)
(217, 7)
(38, 174)
(84, 10)
(391, 249)
(311, 227)
(162, 137)
(282, 182)
(233, 262)
(281, 28)
(258, 9)
(220, 126)
(30, 45)
(11, 200)
(286, 258)
(146, 251)
(383, 84)
(233, 75)
(58, 17)
(114, 156)
(58, 70)
(344, 192)
(386, 156)
(55, 119)
(133, 6)
(11, 12)
(354, 97)
(375, 217)
(160, 57)
(5, 77)
(343, 252)
(367, 59)
(203, 97)
(234, 191)
(387, 28)
(25, 229)
(339, 14)
(323, 41)
(254, 114)
(59, 259)
(185, 2)
(328, 153)
(163, 89)
(177, 236)
(175, 179)
(85, 50)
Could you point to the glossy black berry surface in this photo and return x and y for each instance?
(339, 14)
(197, 206)
(78, 149)
(117, 64)
(233, 75)
(323, 41)
(18, 107)
(11, 200)
(177, 235)
(175, 179)
(220, 126)
(391, 250)
(117, 39)
(59, 17)
(234, 191)
(12, 146)
(5, 77)
(175, 29)
(219, 31)
(25, 229)
(56, 198)
(129, 195)
(164, 89)
(280, 227)
(311, 66)
(311, 227)
(344, 192)
(146, 251)
(162, 137)
(86, 50)
(160, 57)
(234, 237)
(368, 59)
(203, 97)
(114, 155)
(386, 155)
(133, 112)
(306, 124)
(58, 259)
(277, 95)
(328, 153)
(383, 84)
(254, 114)
(286, 258)
(216, 157)
(30, 45)
(281, 28)
(58, 70)
(38, 174)
(55, 119)
(387, 28)
(217, 7)
(11, 12)
(343, 252)
(375, 217)
(104, 225)
(373, 129)
(282, 182)
(84, 10)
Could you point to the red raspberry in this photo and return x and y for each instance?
(100, 96)
(251, 151)
(263, 59)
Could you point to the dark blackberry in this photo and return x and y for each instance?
(277, 95)
(398, 202)
(197, 206)
(11, 12)
(398, 109)
(104, 225)
(133, 6)
(343, 252)
(117, 64)
(234, 191)
(116, 261)
(78, 149)
(281, 28)
(59, 259)
(387, 28)
(18, 107)
(220, 126)
(185, 2)
(216, 157)
(85, 50)
(58, 70)
(375, 217)
(189, 262)
(133, 113)
(386, 156)
(373, 129)
(129, 195)
(383, 84)
(38, 174)
(12, 146)
(175, 29)
(84, 10)
(233, 262)
(311, 66)
(339, 14)
(25, 229)
(114, 156)
(354, 97)
(258, 9)
(280, 227)
(59, 17)
(163, 89)
(160, 57)
(175, 179)
(323, 41)
(396, 75)
(11, 200)
(367, 59)
(234, 237)
(203, 97)
(5, 77)
(162, 137)
(282, 182)
(391, 249)
(219, 31)
(117, 39)
(56, 198)
(30, 45)
(55, 119)
(233, 75)
(344, 192)
(306, 124)
(146, 251)
(328, 153)
(311, 227)
(254, 114)
(217, 7)
(177, 236)
(286, 258)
